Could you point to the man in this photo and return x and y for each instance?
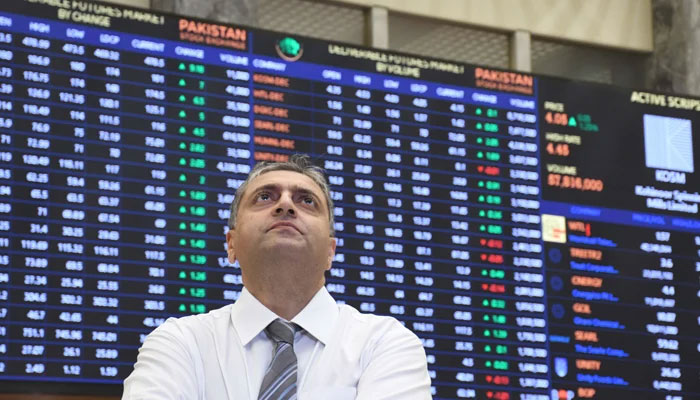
(285, 337)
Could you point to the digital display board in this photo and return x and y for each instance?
(540, 236)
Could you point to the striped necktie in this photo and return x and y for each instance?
(280, 381)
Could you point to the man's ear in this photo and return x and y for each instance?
(331, 252)
(230, 248)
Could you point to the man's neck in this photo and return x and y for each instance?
(283, 299)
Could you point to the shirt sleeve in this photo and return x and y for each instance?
(164, 368)
(397, 368)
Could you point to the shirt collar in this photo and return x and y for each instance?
(319, 316)
(250, 316)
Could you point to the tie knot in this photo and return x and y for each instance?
(281, 331)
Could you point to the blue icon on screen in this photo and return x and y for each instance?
(561, 367)
(558, 311)
(556, 283)
(554, 255)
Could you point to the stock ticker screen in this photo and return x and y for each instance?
(541, 236)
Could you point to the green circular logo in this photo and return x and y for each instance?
(289, 48)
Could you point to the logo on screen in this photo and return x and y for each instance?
(668, 143)
(289, 48)
(553, 228)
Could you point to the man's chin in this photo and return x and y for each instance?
(285, 243)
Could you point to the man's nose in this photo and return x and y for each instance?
(285, 205)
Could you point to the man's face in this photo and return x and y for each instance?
(282, 214)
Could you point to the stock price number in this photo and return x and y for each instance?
(575, 182)
(558, 149)
(556, 118)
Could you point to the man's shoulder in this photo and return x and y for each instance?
(196, 324)
(365, 340)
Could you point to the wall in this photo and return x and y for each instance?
(132, 3)
(625, 24)
(673, 66)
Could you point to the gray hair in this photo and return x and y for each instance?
(300, 163)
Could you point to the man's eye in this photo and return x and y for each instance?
(264, 196)
(308, 200)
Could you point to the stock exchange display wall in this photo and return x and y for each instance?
(540, 236)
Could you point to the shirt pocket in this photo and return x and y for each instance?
(334, 393)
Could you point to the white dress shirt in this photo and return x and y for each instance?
(342, 354)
